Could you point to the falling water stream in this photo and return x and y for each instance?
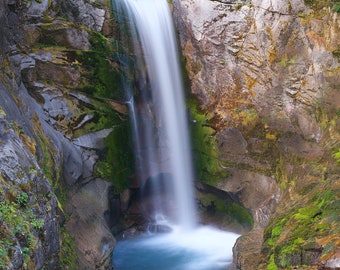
(162, 146)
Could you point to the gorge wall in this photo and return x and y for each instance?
(54, 126)
(266, 75)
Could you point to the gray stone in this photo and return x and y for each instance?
(233, 141)
(36, 9)
(258, 193)
(93, 239)
(93, 140)
(86, 13)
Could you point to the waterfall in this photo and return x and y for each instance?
(157, 108)
(154, 94)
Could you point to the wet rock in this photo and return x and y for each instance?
(125, 197)
(258, 193)
(158, 228)
(93, 239)
(246, 250)
(250, 55)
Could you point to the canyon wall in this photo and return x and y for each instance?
(54, 127)
(267, 76)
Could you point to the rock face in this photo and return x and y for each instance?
(29, 209)
(48, 145)
(86, 210)
(267, 75)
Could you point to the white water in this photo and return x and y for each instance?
(162, 146)
(154, 27)
(204, 248)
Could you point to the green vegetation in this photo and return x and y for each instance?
(22, 199)
(335, 4)
(17, 221)
(226, 210)
(103, 78)
(287, 60)
(67, 251)
(238, 5)
(288, 235)
(117, 164)
(336, 155)
(272, 265)
(104, 82)
(205, 152)
(101, 83)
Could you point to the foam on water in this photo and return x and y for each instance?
(204, 248)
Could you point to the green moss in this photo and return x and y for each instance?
(103, 77)
(336, 155)
(288, 235)
(103, 80)
(22, 199)
(272, 265)
(205, 152)
(117, 164)
(16, 222)
(239, 5)
(289, 251)
(47, 162)
(240, 214)
(226, 210)
(276, 231)
(68, 257)
(104, 117)
(2, 112)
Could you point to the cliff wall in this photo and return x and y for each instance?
(54, 126)
(267, 76)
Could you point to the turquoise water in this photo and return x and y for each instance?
(204, 248)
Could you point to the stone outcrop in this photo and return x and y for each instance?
(266, 74)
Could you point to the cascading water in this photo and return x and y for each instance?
(162, 146)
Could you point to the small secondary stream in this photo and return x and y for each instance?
(155, 96)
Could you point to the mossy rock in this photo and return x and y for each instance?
(294, 238)
(205, 151)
